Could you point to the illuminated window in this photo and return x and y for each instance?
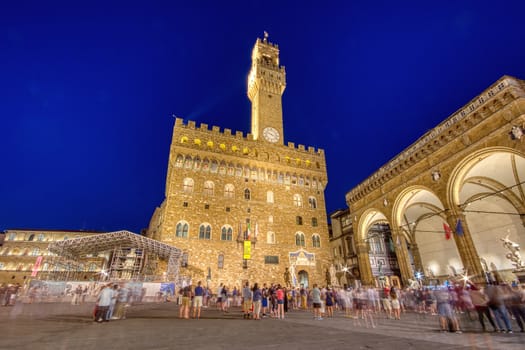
(270, 238)
(297, 200)
(208, 188)
(269, 197)
(187, 185)
(229, 191)
(179, 161)
(188, 162)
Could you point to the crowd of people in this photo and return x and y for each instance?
(499, 305)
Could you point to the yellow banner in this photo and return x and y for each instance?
(247, 250)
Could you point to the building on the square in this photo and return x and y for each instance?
(24, 255)
(453, 200)
(228, 193)
(380, 247)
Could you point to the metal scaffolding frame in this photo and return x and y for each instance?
(132, 255)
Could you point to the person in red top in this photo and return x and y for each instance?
(280, 301)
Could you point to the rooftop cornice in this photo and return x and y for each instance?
(474, 105)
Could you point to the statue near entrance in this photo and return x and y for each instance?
(514, 254)
(333, 277)
(287, 277)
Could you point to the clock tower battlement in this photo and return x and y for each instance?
(200, 137)
(266, 84)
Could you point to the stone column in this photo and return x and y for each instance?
(418, 263)
(364, 264)
(403, 258)
(467, 250)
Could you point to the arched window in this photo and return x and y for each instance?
(182, 230)
(214, 166)
(31, 237)
(187, 185)
(226, 233)
(188, 162)
(92, 267)
(229, 191)
(222, 168)
(312, 202)
(205, 165)
(269, 197)
(35, 252)
(299, 239)
(297, 200)
(205, 231)
(179, 161)
(12, 236)
(238, 170)
(316, 241)
(197, 163)
(270, 238)
(208, 188)
(40, 237)
(247, 194)
(299, 220)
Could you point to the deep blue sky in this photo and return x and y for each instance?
(87, 90)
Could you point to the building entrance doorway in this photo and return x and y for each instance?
(303, 278)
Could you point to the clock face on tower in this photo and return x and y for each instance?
(270, 134)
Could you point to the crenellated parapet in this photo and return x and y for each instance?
(203, 138)
(453, 129)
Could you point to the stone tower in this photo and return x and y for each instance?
(227, 192)
(266, 84)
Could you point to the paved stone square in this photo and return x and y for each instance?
(157, 326)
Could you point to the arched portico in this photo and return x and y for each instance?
(452, 195)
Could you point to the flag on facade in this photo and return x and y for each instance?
(448, 231)
(459, 228)
(248, 231)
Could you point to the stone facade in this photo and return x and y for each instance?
(22, 248)
(221, 184)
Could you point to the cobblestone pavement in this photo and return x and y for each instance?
(157, 326)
